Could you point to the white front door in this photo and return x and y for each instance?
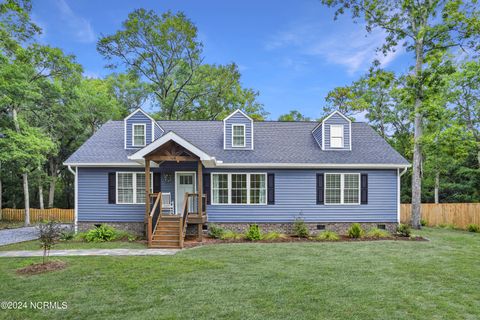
(184, 183)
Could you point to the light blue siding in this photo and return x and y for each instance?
(295, 196)
(337, 119)
(239, 118)
(140, 118)
(317, 134)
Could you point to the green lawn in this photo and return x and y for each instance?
(35, 245)
(439, 279)
(10, 224)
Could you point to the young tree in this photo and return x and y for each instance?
(49, 235)
(425, 28)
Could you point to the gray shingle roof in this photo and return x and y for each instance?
(274, 142)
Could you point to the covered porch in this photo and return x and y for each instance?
(180, 201)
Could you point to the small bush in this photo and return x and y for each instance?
(231, 235)
(355, 231)
(124, 236)
(404, 230)
(328, 236)
(101, 234)
(49, 233)
(423, 222)
(378, 233)
(67, 235)
(300, 229)
(274, 236)
(80, 236)
(473, 227)
(215, 231)
(253, 233)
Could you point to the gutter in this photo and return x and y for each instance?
(75, 221)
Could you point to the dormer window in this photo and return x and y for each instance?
(336, 136)
(139, 133)
(238, 135)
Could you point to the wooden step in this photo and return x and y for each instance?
(171, 243)
(166, 237)
(168, 223)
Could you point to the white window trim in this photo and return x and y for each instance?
(144, 134)
(342, 189)
(342, 127)
(134, 186)
(229, 174)
(244, 135)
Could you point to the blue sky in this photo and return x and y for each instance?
(293, 52)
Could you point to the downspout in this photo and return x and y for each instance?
(75, 221)
(399, 175)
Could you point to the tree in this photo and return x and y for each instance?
(346, 99)
(129, 91)
(49, 235)
(425, 28)
(293, 115)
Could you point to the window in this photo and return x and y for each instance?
(220, 188)
(239, 188)
(342, 188)
(238, 135)
(131, 187)
(138, 132)
(336, 136)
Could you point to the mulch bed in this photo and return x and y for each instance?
(38, 268)
(192, 242)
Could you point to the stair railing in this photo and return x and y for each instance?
(184, 220)
(154, 216)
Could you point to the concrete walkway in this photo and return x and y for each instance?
(90, 252)
(8, 236)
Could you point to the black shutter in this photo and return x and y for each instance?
(157, 182)
(364, 188)
(271, 188)
(206, 187)
(320, 188)
(112, 184)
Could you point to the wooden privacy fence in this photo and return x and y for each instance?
(459, 214)
(63, 215)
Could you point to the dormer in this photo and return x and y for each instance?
(238, 131)
(140, 130)
(334, 132)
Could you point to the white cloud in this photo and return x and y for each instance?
(81, 27)
(347, 47)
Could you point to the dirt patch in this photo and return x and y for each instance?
(37, 268)
(192, 242)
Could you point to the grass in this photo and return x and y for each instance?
(35, 245)
(438, 279)
(10, 225)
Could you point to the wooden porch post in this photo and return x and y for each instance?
(200, 199)
(147, 188)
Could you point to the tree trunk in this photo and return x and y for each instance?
(417, 148)
(437, 186)
(40, 195)
(26, 194)
(53, 181)
(26, 197)
(1, 192)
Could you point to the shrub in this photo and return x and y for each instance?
(101, 233)
(274, 236)
(473, 227)
(423, 222)
(67, 235)
(215, 231)
(49, 235)
(300, 229)
(355, 231)
(231, 235)
(253, 233)
(404, 230)
(327, 236)
(449, 226)
(80, 236)
(124, 236)
(378, 233)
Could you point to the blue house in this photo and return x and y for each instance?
(169, 178)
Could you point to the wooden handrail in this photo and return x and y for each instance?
(159, 197)
(183, 225)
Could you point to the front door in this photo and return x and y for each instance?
(184, 183)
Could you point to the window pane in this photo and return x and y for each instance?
(125, 188)
(220, 188)
(332, 188)
(336, 131)
(351, 186)
(140, 187)
(336, 142)
(239, 188)
(257, 188)
(238, 136)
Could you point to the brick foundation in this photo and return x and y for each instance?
(338, 227)
(136, 228)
